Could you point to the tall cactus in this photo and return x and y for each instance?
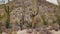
(7, 11)
(34, 9)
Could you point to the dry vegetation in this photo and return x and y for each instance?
(28, 14)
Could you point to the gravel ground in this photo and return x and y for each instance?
(25, 31)
(54, 29)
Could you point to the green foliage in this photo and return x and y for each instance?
(57, 16)
(44, 21)
(58, 19)
(2, 16)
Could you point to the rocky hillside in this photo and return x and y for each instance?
(33, 13)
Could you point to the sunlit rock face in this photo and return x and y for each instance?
(37, 12)
(53, 1)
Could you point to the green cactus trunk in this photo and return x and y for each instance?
(6, 8)
(8, 19)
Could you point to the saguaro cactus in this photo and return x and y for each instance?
(7, 10)
(34, 10)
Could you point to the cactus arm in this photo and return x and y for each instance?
(33, 10)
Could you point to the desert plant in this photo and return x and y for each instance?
(7, 10)
(44, 21)
(34, 13)
(7, 13)
(57, 16)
